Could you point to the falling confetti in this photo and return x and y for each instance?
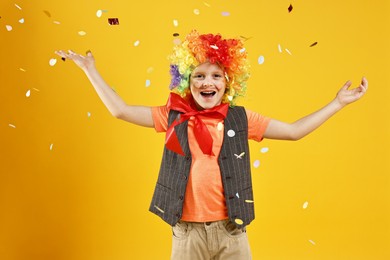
(150, 70)
(89, 114)
(231, 133)
(225, 13)
(206, 4)
(237, 195)
(220, 126)
(230, 98)
(36, 89)
(264, 149)
(239, 221)
(22, 69)
(279, 48)
(288, 51)
(313, 44)
(52, 62)
(113, 21)
(82, 33)
(136, 43)
(17, 6)
(51, 147)
(249, 201)
(242, 50)
(175, 23)
(305, 205)
(176, 41)
(215, 47)
(240, 156)
(56, 22)
(99, 13)
(162, 211)
(256, 164)
(8, 27)
(47, 13)
(63, 59)
(260, 60)
(28, 93)
(290, 8)
(11, 125)
(196, 11)
(147, 83)
(176, 34)
(21, 20)
(311, 241)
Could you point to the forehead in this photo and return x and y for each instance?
(208, 67)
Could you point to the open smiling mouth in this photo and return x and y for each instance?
(208, 93)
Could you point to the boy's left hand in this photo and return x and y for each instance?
(346, 96)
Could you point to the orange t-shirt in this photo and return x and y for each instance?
(204, 198)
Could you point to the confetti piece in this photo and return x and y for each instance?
(136, 43)
(239, 221)
(279, 48)
(150, 70)
(238, 196)
(196, 11)
(21, 20)
(256, 164)
(313, 44)
(176, 35)
(176, 41)
(231, 133)
(113, 21)
(36, 89)
(47, 13)
(147, 83)
(240, 156)
(290, 8)
(249, 201)
(51, 147)
(56, 22)
(89, 114)
(28, 93)
(246, 38)
(206, 4)
(52, 62)
(305, 205)
(260, 60)
(311, 241)
(63, 59)
(99, 13)
(288, 51)
(215, 47)
(162, 211)
(22, 69)
(82, 33)
(175, 23)
(17, 6)
(230, 98)
(220, 126)
(242, 50)
(8, 27)
(11, 125)
(264, 149)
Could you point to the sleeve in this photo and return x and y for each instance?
(160, 118)
(257, 124)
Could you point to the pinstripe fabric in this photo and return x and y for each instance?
(167, 201)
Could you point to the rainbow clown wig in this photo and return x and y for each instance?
(196, 49)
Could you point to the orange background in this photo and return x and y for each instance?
(88, 196)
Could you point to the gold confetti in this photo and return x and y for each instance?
(249, 201)
(22, 69)
(239, 221)
(11, 125)
(47, 13)
(162, 211)
(207, 4)
(288, 51)
(82, 33)
(17, 6)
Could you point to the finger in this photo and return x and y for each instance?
(347, 85)
(364, 83)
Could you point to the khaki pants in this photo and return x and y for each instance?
(220, 240)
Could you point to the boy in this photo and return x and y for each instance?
(204, 188)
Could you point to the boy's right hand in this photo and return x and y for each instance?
(84, 62)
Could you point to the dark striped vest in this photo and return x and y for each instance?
(234, 163)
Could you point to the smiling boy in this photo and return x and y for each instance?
(204, 187)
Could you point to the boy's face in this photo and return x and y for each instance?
(207, 85)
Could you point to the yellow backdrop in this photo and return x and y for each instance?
(75, 183)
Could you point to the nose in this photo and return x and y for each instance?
(207, 82)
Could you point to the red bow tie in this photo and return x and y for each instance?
(202, 134)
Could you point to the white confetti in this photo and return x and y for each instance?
(280, 48)
(147, 83)
(264, 149)
(305, 205)
(311, 241)
(136, 43)
(89, 114)
(11, 125)
(256, 164)
(82, 33)
(215, 47)
(230, 98)
(21, 20)
(220, 126)
(56, 22)
(99, 13)
(240, 156)
(52, 62)
(288, 51)
(51, 147)
(150, 70)
(196, 11)
(175, 23)
(22, 69)
(260, 60)
(28, 93)
(17, 6)
(162, 211)
(239, 221)
(8, 27)
(238, 196)
(242, 50)
(225, 13)
(231, 133)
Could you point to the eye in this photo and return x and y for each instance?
(217, 75)
(198, 76)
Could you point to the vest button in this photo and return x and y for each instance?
(231, 197)
(224, 158)
(181, 197)
(228, 177)
(178, 215)
(185, 177)
(188, 158)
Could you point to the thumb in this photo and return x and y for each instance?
(89, 53)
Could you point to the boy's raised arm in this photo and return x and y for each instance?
(139, 115)
(302, 127)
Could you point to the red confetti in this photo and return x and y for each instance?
(313, 44)
(175, 34)
(113, 21)
(290, 8)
